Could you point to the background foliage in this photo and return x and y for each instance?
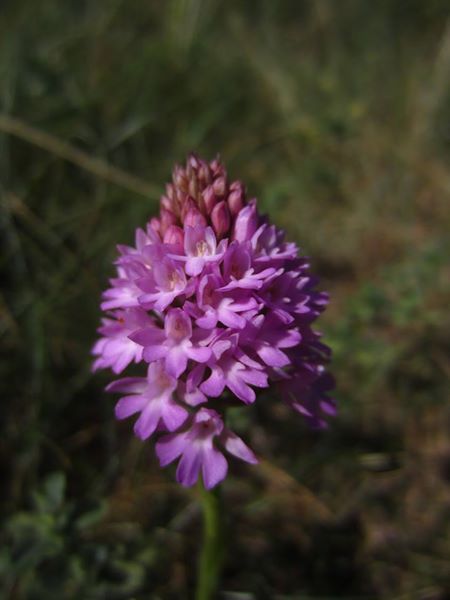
(336, 115)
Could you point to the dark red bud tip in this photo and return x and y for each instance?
(221, 219)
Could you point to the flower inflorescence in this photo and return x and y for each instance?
(213, 300)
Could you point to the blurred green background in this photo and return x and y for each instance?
(337, 116)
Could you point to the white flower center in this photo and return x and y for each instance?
(174, 279)
(202, 248)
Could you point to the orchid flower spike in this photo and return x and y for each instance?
(211, 301)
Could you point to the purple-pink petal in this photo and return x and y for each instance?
(214, 468)
(176, 361)
(170, 447)
(235, 446)
(189, 466)
(128, 385)
(147, 422)
(215, 384)
(173, 415)
(200, 354)
(129, 405)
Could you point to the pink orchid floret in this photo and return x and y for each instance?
(115, 350)
(215, 303)
(238, 377)
(238, 269)
(200, 247)
(173, 343)
(214, 307)
(196, 449)
(124, 293)
(152, 397)
(162, 285)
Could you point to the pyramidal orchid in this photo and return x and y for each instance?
(212, 301)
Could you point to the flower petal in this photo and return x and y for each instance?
(128, 384)
(173, 415)
(273, 357)
(189, 466)
(152, 353)
(200, 354)
(176, 361)
(148, 336)
(235, 446)
(129, 405)
(148, 421)
(241, 389)
(257, 378)
(194, 265)
(170, 447)
(215, 383)
(214, 467)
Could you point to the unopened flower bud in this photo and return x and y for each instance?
(193, 187)
(186, 207)
(246, 223)
(194, 218)
(155, 224)
(216, 167)
(171, 191)
(220, 218)
(174, 235)
(166, 203)
(209, 199)
(204, 174)
(193, 161)
(179, 178)
(167, 218)
(236, 197)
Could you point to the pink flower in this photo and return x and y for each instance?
(237, 376)
(163, 284)
(201, 248)
(115, 349)
(174, 344)
(152, 397)
(197, 452)
(124, 293)
(239, 271)
(218, 307)
(214, 302)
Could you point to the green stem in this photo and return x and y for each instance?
(212, 552)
